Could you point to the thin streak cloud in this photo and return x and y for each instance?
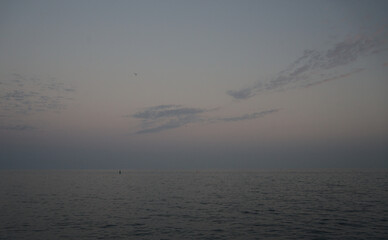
(309, 69)
(167, 111)
(249, 116)
(165, 117)
(20, 127)
(334, 78)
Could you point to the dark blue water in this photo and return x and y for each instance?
(335, 204)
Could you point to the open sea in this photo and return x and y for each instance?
(102, 204)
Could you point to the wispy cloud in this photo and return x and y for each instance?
(165, 117)
(18, 127)
(312, 68)
(21, 95)
(249, 116)
(315, 66)
(165, 126)
(166, 111)
(334, 78)
(244, 93)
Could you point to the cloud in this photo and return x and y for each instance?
(165, 117)
(18, 128)
(242, 94)
(334, 78)
(312, 68)
(165, 126)
(313, 65)
(166, 111)
(249, 116)
(21, 95)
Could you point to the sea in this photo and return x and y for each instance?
(211, 204)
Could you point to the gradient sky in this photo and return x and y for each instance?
(193, 84)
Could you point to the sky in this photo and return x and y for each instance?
(193, 84)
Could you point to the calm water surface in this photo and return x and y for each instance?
(330, 204)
